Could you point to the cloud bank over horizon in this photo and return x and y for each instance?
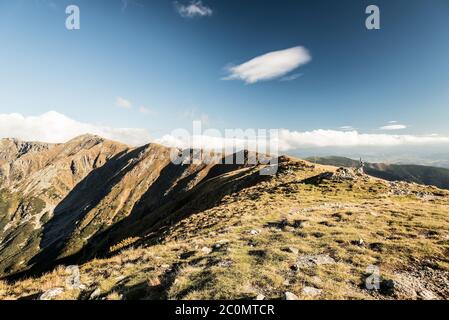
(57, 128)
(293, 140)
(393, 125)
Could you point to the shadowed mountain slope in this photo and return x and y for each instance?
(309, 231)
(71, 201)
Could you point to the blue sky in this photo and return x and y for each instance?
(170, 66)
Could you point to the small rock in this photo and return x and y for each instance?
(52, 293)
(293, 250)
(206, 250)
(217, 246)
(410, 287)
(311, 291)
(317, 280)
(260, 297)
(345, 174)
(314, 260)
(291, 296)
(225, 263)
(286, 282)
(94, 295)
(254, 232)
(359, 242)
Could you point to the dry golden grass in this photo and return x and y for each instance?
(114, 296)
(123, 244)
(358, 223)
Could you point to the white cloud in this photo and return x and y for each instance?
(193, 9)
(147, 111)
(269, 66)
(291, 140)
(393, 127)
(55, 127)
(123, 103)
(347, 128)
(332, 138)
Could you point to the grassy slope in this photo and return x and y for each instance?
(400, 234)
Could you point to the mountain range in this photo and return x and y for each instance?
(138, 226)
(427, 175)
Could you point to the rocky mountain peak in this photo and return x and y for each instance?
(11, 148)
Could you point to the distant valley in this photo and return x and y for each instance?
(427, 175)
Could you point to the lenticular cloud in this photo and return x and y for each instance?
(269, 66)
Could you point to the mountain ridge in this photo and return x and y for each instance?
(68, 193)
(139, 226)
(427, 175)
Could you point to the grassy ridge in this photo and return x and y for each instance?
(426, 175)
